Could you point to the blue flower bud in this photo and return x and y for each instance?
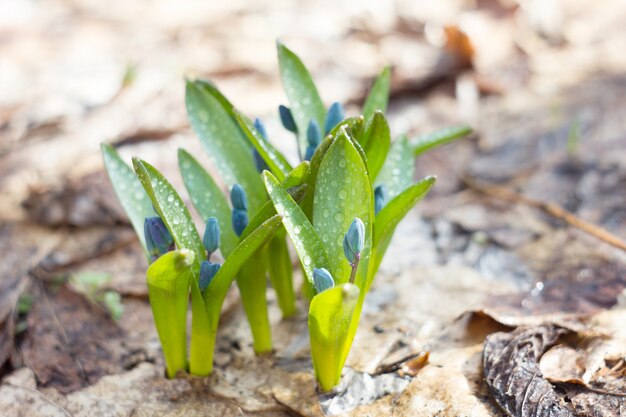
(286, 119)
(238, 198)
(334, 116)
(322, 279)
(207, 272)
(158, 238)
(240, 220)
(309, 152)
(313, 134)
(354, 240)
(380, 197)
(259, 162)
(258, 124)
(211, 238)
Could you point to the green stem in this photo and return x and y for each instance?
(281, 274)
(252, 284)
(354, 266)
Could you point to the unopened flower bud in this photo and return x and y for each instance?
(240, 220)
(354, 240)
(258, 124)
(158, 238)
(286, 119)
(207, 272)
(313, 134)
(238, 198)
(380, 197)
(322, 279)
(334, 116)
(211, 238)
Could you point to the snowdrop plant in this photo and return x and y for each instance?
(339, 206)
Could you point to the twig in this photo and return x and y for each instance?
(549, 208)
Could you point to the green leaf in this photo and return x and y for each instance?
(281, 275)
(208, 198)
(398, 170)
(168, 281)
(204, 322)
(343, 191)
(375, 142)
(272, 157)
(297, 176)
(330, 315)
(212, 90)
(379, 94)
(170, 207)
(389, 217)
(318, 157)
(224, 142)
(268, 210)
(128, 190)
(440, 137)
(216, 292)
(304, 100)
(308, 245)
(252, 283)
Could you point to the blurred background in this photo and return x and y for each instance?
(542, 82)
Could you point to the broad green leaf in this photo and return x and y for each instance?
(224, 142)
(375, 142)
(281, 275)
(389, 217)
(168, 289)
(268, 210)
(212, 90)
(128, 190)
(304, 100)
(318, 156)
(330, 315)
(272, 157)
(203, 332)
(352, 125)
(440, 137)
(208, 198)
(252, 283)
(398, 169)
(343, 191)
(170, 207)
(216, 292)
(297, 176)
(379, 94)
(309, 247)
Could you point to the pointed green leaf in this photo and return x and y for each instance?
(203, 332)
(440, 137)
(297, 176)
(304, 100)
(168, 289)
(330, 315)
(343, 191)
(215, 293)
(272, 157)
(212, 90)
(398, 169)
(170, 207)
(128, 190)
(375, 142)
(379, 94)
(389, 217)
(281, 275)
(224, 142)
(208, 198)
(268, 210)
(309, 247)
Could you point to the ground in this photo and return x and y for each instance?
(502, 293)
